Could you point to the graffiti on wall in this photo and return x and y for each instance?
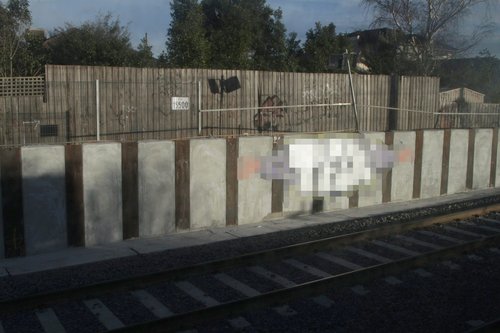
(166, 87)
(327, 166)
(270, 119)
(124, 113)
(321, 94)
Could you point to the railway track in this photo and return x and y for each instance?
(490, 327)
(186, 297)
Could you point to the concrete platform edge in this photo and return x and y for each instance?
(274, 224)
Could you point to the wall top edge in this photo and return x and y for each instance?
(254, 137)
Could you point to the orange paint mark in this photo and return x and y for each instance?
(405, 155)
(247, 166)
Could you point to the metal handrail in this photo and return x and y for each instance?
(275, 107)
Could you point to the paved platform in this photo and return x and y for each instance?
(133, 247)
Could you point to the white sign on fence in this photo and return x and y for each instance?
(180, 103)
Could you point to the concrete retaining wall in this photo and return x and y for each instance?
(457, 170)
(102, 193)
(44, 198)
(372, 195)
(294, 200)
(432, 161)
(402, 173)
(496, 181)
(156, 182)
(254, 193)
(207, 183)
(482, 158)
(2, 245)
(96, 193)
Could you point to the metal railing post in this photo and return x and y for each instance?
(199, 107)
(355, 108)
(98, 111)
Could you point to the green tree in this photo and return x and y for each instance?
(245, 34)
(32, 56)
(230, 34)
(268, 40)
(321, 43)
(186, 43)
(295, 53)
(103, 42)
(145, 53)
(15, 19)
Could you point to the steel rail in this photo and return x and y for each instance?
(308, 289)
(489, 327)
(143, 281)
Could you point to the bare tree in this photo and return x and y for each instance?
(428, 29)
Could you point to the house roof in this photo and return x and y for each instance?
(458, 89)
(373, 36)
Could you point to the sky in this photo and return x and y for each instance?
(153, 17)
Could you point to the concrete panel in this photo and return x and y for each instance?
(335, 203)
(102, 193)
(432, 159)
(207, 183)
(457, 173)
(497, 176)
(2, 246)
(294, 200)
(482, 159)
(402, 172)
(44, 198)
(156, 176)
(254, 193)
(372, 195)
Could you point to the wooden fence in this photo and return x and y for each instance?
(136, 103)
(468, 115)
(467, 110)
(465, 94)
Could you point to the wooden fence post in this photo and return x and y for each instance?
(392, 119)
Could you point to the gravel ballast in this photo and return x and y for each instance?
(448, 300)
(130, 311)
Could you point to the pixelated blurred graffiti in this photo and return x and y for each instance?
(270, 119)
(326, 166)
(332, 166)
